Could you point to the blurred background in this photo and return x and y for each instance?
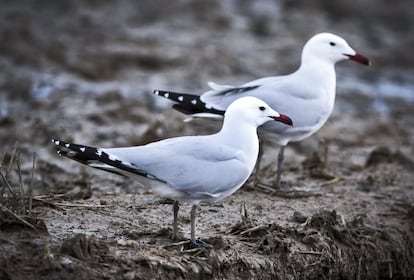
(56, 54)
(135, 46)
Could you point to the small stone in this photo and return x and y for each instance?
(298, 217)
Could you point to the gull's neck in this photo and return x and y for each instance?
(240, 135)
(318, 71)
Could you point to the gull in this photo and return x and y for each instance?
(194, 169)
(306, 95)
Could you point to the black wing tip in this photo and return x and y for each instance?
(185, 109)
(60, 143)
(80, 150)
(85, 154)
(163, 93)
(188, 103)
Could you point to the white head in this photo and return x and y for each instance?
(254, 111)
(330, 48)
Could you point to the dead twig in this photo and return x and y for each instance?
(81, 205)
(309, 252)
(181, 243)
(47, 252)
(201, 250)
(11, 159)
(30, 190)
(17, 216)
(294, 194)
(291, 194)
(2, 158)
(1, 165)
(44, 197)
(253, 229)
(197, 251)
(243, 213)
(264, 187)
(21, 184)
(49, 204)
(6, 182)
(330, 182)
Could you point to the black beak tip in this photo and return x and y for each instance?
(284, 119)
(359, 58)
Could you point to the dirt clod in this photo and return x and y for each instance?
(83, 248)
(384, 155)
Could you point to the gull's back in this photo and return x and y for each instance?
(308, 105)
(182, 162)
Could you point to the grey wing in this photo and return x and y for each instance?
(201, 177)
(269, 89)
(221, 96)
(281, 93)
(191, 164)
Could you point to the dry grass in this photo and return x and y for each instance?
(16, 199)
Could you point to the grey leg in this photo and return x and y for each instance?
(325, 150)
(193, 221)
(176, 207)
(279, 167)
(193, 242)
(258, 163)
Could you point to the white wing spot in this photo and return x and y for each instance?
(111, 157)
(180, 98)
(57, 142)
(166, 95)
(98, 152)
(194, 101)
(157, 92)
(82, 149)
(208, 106)
(67, 145)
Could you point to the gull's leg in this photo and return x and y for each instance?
(193, 221)
(193, 242)
(258, 163)
(176, 207)
(323, 144)
(279, 167)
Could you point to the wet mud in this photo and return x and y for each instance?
(87, 78)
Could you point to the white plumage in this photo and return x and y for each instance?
(191, 168)
(306, 95)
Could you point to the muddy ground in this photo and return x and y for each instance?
(83, 71)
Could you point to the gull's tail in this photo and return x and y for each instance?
(97, 158)
(189, 104)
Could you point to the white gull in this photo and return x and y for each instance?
(306, 95)
(190, 168)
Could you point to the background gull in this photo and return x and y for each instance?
(191, 168)
(307, 95)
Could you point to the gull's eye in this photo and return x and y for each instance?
(262, 108)
(332, 44)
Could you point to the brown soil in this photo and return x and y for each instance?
(351, 215)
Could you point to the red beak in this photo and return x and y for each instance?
(283, 119)
(359, 58)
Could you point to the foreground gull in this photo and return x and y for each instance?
(191, 168)
(306, 95)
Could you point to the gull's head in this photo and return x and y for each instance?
(255, 111)
(331, 48)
